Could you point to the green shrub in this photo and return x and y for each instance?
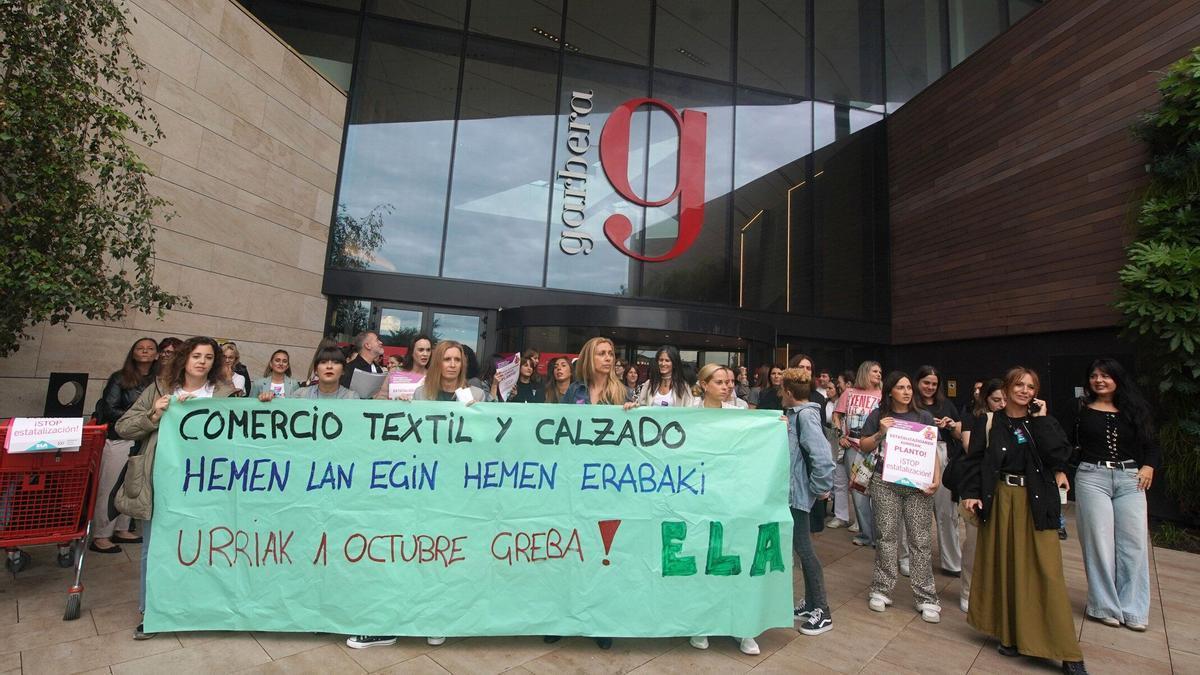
(1160, 284)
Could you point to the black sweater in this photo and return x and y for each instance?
(1048, 455)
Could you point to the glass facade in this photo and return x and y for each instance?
(473, 142)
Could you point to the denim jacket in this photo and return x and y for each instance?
(808, 482)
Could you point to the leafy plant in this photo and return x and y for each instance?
(1160, 284)
(76, 233)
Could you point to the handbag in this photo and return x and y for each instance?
(862, 470)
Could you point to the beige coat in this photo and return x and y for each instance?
(135, 498)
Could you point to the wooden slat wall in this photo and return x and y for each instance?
(1014, 177)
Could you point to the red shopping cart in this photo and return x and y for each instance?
(48, 497)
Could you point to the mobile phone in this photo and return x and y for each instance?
(1035, 407)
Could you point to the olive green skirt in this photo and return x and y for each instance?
(1018, 594)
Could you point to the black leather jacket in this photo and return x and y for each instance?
(115, 400)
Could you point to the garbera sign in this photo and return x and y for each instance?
(692, 126)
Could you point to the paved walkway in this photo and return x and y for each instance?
(35, 639)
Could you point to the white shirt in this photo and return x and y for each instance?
(203, 392)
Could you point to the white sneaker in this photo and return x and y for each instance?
(930, 613)
(854, 528)
(964, 604)
(699, 642)
(435, 641)
(836, 523)
(878, 602)
(905, 568)
(748, 646)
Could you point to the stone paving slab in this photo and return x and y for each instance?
(34, 639)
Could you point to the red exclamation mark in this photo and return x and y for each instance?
(608, 530)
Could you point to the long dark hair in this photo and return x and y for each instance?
(922, 373)
(992, 385)
(552, 395)
(410, 357)
(889, 383)
(174, 377)
(1128, 399)
(678, 377)
(129, 376)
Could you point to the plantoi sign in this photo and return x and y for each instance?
(692, 127)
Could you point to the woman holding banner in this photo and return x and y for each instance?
(446, 377)
(667, 385)
(1015, 466)
(713, 388)
(894, 502)
(278, 377)
(194, 372)
(596, 382)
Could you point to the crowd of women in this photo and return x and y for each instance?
(1000, 479)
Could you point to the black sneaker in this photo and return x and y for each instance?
(364, 641)
(17, 560)
(1008, 650)
(1062, 535)
(1074, 668)
(140, 633)
(818, 622)
(604, 642)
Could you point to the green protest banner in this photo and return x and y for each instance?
(393, 518)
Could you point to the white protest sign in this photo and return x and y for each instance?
(507, 373)
(402, 384)
(44, 434)
(910, 454)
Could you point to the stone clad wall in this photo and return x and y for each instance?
(249, 163)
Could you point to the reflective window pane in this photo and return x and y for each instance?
(849, 207)
(699, 274)
(502, 165)
(613, 29)
(848, 57)
(324, 38)
(349, 317)
(693, 37)
(537, 22)
(600, 87)
(773, 45)
(972, 24)
(397, 327)
(448, 13)
(773, 138)
(463, 328)
(397, 155)
(1017, 9)
(914, 47)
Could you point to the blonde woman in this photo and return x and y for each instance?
(596, 380)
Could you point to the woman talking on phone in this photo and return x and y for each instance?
(1012, 473)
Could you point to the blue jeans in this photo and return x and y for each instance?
(862, 502)
(1113, 531)
(146, 528)
(814, 576)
